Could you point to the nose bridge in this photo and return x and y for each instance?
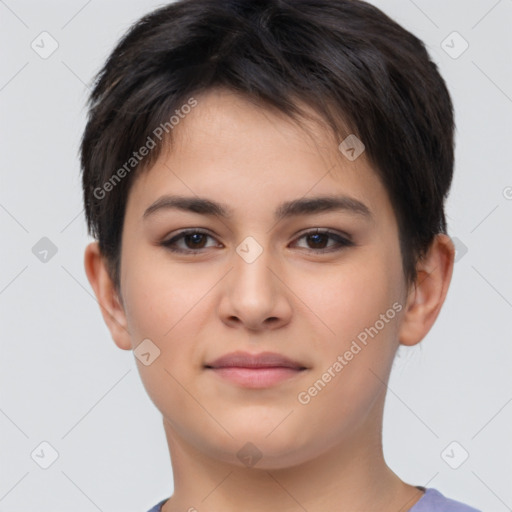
(253, 294)
(252, 267)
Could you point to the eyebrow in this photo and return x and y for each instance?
(303, 206)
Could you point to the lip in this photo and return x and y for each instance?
(248, 360)
(255, 370)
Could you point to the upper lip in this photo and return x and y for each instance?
(248, 360)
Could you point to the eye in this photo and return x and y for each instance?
(319, 238)
(195, 241)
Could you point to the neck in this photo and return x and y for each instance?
(351, 475)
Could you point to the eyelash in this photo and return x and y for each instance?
(342, 241)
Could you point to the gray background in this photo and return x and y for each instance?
(63, 380)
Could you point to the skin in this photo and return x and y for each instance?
(293, 299)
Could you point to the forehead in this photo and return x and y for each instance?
(234, 118)
(237, 152)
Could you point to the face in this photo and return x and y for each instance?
(322, 287)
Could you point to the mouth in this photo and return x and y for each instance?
(255, 370)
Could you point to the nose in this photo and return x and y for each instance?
(255, 295)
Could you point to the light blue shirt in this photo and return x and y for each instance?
(431, 501)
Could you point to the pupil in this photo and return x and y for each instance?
(317, 238)
(196, 238)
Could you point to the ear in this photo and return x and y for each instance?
(108, 299)
(428, 292)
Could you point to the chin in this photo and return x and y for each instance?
(254, 448)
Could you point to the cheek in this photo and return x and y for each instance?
(362, 305)
(359, 307)
(353, 362)
(166, 305)
(160, 297)
(349, 298)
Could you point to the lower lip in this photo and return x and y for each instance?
(256, 377)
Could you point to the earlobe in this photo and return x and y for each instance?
(111, 308)
(427, 295)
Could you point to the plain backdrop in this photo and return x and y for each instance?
(64, 382)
